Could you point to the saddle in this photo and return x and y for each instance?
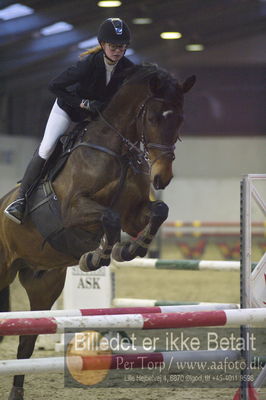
(43, 207)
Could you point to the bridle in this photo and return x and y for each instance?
(140, 123)
(141, 116)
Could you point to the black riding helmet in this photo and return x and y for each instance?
(114, 30)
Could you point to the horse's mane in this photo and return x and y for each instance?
(164, 85)
(167, 85)
(142, 72)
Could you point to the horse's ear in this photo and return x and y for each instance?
(155, 84)
(189, 82)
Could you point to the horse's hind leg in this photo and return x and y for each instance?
(94, 260)
(126, 251)
(42, 290)
(4, 302)
(7, 275)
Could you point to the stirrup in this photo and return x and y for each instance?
(11, 213)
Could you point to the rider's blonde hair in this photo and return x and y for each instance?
(95, 49)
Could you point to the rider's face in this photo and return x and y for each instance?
(114, 51)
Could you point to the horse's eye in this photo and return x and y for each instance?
(153, 118)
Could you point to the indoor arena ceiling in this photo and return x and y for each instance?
(232, 32)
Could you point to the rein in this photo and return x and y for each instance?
(131, 146)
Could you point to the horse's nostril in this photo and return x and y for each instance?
(157, 183)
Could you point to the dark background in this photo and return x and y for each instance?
(229, 98)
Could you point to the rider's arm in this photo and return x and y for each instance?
(61, 84)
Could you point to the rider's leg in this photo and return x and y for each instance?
(15, 210)
(57, 124)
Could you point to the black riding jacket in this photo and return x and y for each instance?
(87, 80)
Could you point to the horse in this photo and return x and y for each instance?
(103, 189)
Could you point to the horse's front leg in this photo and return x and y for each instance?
(126, 251)
(100, 257)
(102, 222)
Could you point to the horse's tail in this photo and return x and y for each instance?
(4, 302)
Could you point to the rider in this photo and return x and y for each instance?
(96, 78)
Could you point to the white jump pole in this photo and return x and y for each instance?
(192, 265)
(129, 302)
(57, 364)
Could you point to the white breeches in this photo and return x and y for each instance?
(58, 123)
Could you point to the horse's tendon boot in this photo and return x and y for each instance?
(159, 215)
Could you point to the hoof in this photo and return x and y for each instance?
(83, 263)
(86, 262)
(16, 393)
(140, 252)
(121, 252)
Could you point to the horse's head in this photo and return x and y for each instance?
(159, 118)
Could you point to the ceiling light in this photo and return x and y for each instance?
(86, 44)
(142, 21)
(170, 35)
(58, 27)
(109, 3)
(15, 11)
(194, 47)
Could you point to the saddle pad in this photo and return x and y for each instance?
(44, 212)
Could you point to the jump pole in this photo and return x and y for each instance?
(114, 361)
(207, 224)
(195, 306)
(116, 311)
(57, 364)
(192, 265)
(34, 326)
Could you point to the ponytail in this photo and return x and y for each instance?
(93, 50)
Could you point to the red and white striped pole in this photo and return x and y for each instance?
(32, 326)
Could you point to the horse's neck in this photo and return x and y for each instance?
(123, 110)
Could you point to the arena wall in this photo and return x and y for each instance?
(207, 172)
(15, 153)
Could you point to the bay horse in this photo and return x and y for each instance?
(103, 188)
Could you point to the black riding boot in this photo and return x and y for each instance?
(15, 210)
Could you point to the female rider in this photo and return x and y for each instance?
(96, 78)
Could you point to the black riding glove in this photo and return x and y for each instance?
(92, 105)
